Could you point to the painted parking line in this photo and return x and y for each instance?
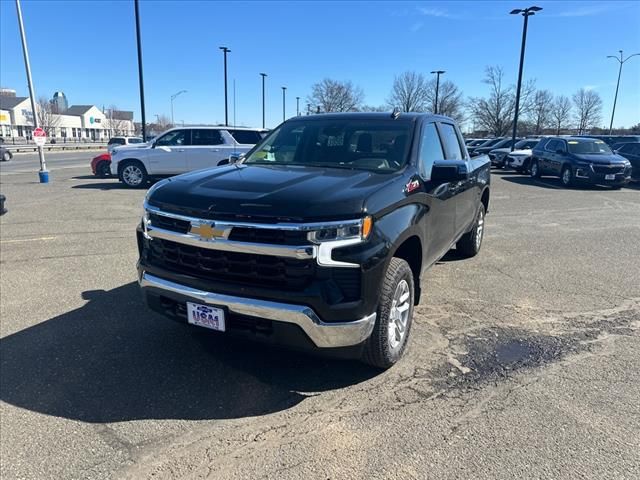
(40, 239)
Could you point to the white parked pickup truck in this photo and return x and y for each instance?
(181, 150)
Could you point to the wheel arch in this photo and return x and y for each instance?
(410, 250)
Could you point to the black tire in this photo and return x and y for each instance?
(470, 243)
(566, 177)
(6, 156)
(525, 167)
(133, 174)
(534, 169)
(382, 350)
(103, 170)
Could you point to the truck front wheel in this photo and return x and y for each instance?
(133, 174)
(388, 341)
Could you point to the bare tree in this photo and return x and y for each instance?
(588, 109)
(373, 108)
(561, 113)
(450, 101)
(409, 92)
(540, 111)
(163, 123)
(336, 96)
(495, 113)
(46, 118)
(114, 121)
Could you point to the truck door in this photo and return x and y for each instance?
(439, 223)
(464, 193)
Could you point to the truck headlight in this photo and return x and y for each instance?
(355, 229)
(339, 234)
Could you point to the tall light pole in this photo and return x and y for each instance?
(621, 61)
(225, 50)
(173, 97)
(43, 173)
(140, 79)
(438, 73)
(526, 13)
(284, 90)
(263, 117)
(297, 106)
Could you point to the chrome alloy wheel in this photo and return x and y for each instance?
(479, 229)
(399, 315)
(132, 175)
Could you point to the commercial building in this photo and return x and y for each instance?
(79, 123)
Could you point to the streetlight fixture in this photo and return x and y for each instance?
(438, 73)
(526, 13)
(621, 61)
(173, 97)
(263, 77)
(297, 106)
(284, 91)
(225, 50)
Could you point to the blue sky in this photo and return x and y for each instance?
(87, 50)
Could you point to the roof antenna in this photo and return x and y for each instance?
(396, 113)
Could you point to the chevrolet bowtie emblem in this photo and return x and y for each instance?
(207, 231)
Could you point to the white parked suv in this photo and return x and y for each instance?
(181, 150)
(122, 141)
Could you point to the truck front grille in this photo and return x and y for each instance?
(240, 268)
(168, 223)
(272, 236)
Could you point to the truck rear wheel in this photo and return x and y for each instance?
(388, 341)
(470, 243)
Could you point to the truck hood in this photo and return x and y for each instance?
(269, 193)
(599, 159)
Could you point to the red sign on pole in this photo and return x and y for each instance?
(39, 136)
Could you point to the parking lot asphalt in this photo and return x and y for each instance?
(523, 361)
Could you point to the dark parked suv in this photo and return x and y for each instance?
(631, 151)
(317, 238)
(579, 160)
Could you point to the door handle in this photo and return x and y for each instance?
(214, 150)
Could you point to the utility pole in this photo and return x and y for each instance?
(621, 61)
(284, 90)
(263, 117)
(225, 50)
(43, 173)
(526, 13)
(438, 73)
(298, 106)
(140, 79)
(173, 97)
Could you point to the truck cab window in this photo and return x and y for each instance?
(430, 150)
(450, 141)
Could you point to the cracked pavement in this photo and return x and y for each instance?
(523, 362)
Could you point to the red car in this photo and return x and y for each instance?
(101, 165)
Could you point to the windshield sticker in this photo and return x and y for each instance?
(573, 142)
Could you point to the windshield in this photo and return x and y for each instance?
(597, 147)
(490, 143)
(377, 145)
(526, 144)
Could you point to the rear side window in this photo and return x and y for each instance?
(450, 141)
(552, 145)
(430, 150)
(207, 136)
(250, 137)
(116, 141)
(135, 140)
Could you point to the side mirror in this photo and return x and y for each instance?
(236, 157)
(449, 172)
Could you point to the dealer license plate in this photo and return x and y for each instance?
(206, 316)
(610, 176)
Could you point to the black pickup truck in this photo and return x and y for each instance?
(318, 238)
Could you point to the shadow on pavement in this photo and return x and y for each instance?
(552, 183)
(113, 360)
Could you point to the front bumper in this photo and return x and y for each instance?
(586, 175)
(161, 293)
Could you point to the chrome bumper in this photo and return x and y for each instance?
(322, 334)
